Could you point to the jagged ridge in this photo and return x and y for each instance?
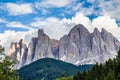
(78, 47)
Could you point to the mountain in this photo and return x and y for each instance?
(110, 70)
(18, 51)
(78, 47)
(49, 69)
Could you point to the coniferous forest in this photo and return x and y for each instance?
(110, 70)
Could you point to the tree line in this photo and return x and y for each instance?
(110, 70)
(6, 63)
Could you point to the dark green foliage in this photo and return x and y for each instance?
(107, 71)
(6, 72)
(65, 78)
(110, 70)
(49, 69)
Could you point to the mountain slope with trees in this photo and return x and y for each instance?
(110, 70)
(49, 69)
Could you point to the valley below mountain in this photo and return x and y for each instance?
(49, 69)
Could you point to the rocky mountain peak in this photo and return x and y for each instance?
(13, 47)
(78, 32)
(103, 31)
(79, 28)
(22, 41)
(106, 35)
(96, 30)
(96, 33)
(42, 36)
(79, 46)
(41, 33)
(18, 51)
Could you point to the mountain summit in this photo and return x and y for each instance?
(78, 47)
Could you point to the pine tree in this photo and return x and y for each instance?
(6, 71)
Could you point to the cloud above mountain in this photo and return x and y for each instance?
(22, 19)
(18, 9)
(11, 36)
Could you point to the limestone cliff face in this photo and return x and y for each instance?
(31, 50)
(42, 47)
(78, 47)
(18, 51)
(12, 49)
(82, 47)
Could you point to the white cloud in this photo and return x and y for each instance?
(79, 18)
(2, 20)
(56, 28)
(19, 9)
(52, 26)
(52, 3)
(107, 23)
(98, 7)
(79, 7)
(16, 25)
(109, 7)
(11, 36)
(13, 24)
(46, 4)
(91, 1)
(100, 22)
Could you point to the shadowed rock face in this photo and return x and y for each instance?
(78, 47)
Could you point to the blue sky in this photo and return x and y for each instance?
(22, 18)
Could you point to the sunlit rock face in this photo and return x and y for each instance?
(18, 51)
(79, 46)
(82, 47)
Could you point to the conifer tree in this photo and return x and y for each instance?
(6, 71)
